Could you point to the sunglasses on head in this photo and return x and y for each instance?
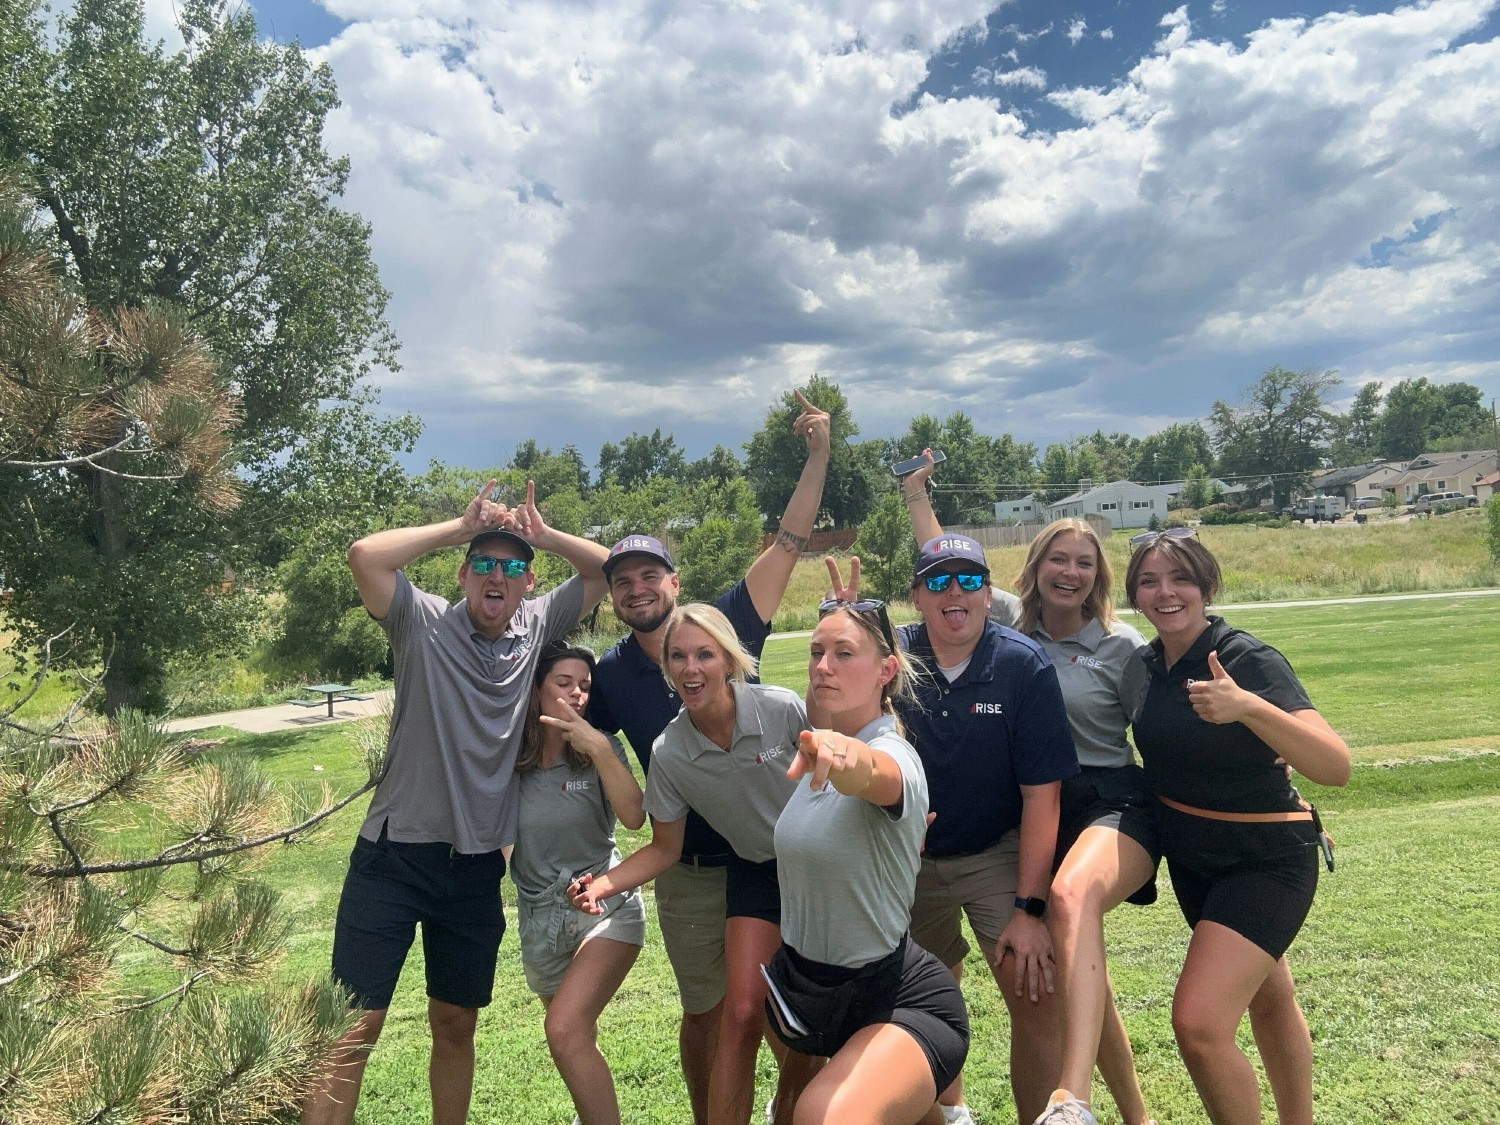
(937, 583)
(1146, 538)
(483, 564)
(871, 609)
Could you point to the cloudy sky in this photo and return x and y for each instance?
(1055, 215)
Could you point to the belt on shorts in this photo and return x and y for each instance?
(1304, 813)
(719, 859)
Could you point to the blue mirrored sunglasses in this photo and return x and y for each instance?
(511, 568)
(937, 583)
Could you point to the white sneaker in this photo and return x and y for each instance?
(956, 1115)
(1064, 1109)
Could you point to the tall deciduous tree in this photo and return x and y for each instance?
(641, 458)
(195, 179)
(1421, 416)
(1170, 454)
(774, 457)
(1357, 433)
(1278, 433)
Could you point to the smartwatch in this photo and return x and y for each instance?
(1036, 907)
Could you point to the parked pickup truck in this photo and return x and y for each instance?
(1316, 508)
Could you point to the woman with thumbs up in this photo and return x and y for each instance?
(848, 983)
(1223, 723)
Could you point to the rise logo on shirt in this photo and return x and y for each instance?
(578, 785)
(987, 709)
(1087, 661)
(772, 754)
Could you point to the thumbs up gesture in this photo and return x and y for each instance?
(1220, 699)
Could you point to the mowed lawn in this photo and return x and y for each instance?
(1398, 967)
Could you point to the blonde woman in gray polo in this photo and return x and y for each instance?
(574, 784)
(725, 756)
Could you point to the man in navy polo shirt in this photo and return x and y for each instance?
(631, 694)
(993, 736)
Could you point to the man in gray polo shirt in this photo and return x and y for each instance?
(429, 851)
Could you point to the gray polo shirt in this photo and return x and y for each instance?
(1090, 665)
(567, 824)
(740, 791)
(848, 869)
(460, 709)
(1005, 608)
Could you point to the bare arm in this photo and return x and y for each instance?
(924, 521)
(1027, 937)
(854, 768)
(620, 787)
(645, 864)
(375, 559)
(584, 555)
(768, 576)
(1303, 739)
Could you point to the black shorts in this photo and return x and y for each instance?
(1117, 798)
(390, 888)
(909, 988)
(1255, 879)
(751, 890)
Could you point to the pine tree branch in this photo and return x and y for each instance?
(42, 871)
(180, 991)
(152, 942)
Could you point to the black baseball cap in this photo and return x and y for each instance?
(643, 545)
(499, 535)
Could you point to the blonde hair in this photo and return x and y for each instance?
(1098, 606)
(742, 666)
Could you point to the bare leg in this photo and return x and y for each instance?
(1035, 1041)
(595, 974)
(748, 944)
(1222, 974)
(333, 1101)
(697, 1044)
(450, 1071)
(1285, 1045)
(1100, 870)
(881, 1077)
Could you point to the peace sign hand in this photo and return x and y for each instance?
(814, 426)
(582, 735)
(1219, 700)
(839, 592)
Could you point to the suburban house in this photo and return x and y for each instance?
(1123, 503)
(1370, 479)
(1486, 487)
(1444, 472)
(1024, 509)
(1230, 492)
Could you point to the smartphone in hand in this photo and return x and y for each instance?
(902, 468)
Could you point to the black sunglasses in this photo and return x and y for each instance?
(483, 564)
(1146, 538)
(871, 609)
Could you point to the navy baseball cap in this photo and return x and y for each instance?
(945, 549)
(498, 535)
(643, 545)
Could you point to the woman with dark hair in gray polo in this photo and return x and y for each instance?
(574, 784)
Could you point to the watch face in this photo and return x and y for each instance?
(1035, 907)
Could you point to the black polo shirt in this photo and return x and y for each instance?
(630, 694)
(1000, 725)
(1221, 766)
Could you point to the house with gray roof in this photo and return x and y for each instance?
(1123, 503)
(1444, 472)
(1370, 479)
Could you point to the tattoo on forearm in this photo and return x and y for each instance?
(791, 541)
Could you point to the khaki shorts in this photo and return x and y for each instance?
(551, 935)
(981, 886)
(690, 907)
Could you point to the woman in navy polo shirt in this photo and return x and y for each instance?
(725, 755)
(1223, 718)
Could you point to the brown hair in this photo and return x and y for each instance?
(1099, 605)
(534, 734)
(1190, 555)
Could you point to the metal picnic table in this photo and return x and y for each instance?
(334, 693)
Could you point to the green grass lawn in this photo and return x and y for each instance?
(1398, 967)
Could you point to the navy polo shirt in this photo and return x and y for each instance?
(1000, 725)
(630, 694)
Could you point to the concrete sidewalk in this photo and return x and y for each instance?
(286, 716)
